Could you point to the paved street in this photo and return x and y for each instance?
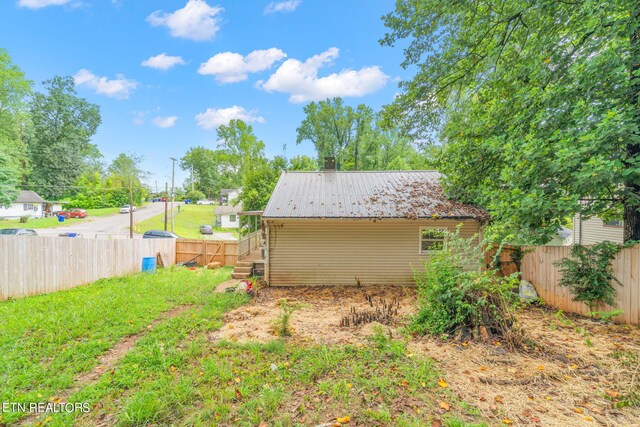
(112, 226)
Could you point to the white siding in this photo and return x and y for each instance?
(593, 230)
(336, 252)
(225, 221)
(16, 210)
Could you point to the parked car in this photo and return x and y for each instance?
(18, 232)
(205, 202)
(206, 229)
(126, 208)
(69, 234)
(74, 213)
(159, 234)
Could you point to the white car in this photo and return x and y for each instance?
(205, 202)
(126, 208)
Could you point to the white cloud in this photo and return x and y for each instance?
(215, 117)
(163, 61)
(301, 81)
(230, 67)
(37, 4)
(119, 88)
(196, 20)
(165, 122)
(282, 6)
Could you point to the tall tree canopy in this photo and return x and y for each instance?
(536, 103)
(63, 125)
(355, 138)
(14, 89)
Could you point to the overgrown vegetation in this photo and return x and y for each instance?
(457, 299)
(589, 275)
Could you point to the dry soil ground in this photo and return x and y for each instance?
(582, 372)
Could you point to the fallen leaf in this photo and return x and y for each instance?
(238, 394)
(349, 385)
(578, 410)
(436, 423)
(442, 383)
(540, 368)
(444, 405)
(343, 420)
(507, 421)
(404, 383)
(588, 418)
(612, 394)
(498, 399)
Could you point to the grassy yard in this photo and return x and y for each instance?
(48, 341)
(52, 222)
(176, 371)
(186, 223)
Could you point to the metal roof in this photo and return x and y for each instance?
(29, 197)
(376, 194)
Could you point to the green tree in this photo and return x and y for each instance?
(63, 125)
(330, 126)
(240, 146)
(258, 183)
(14, 89)
(536, 103)
(303, 163)
(125, 173)
(210, 170)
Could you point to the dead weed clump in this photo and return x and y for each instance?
(380, 310)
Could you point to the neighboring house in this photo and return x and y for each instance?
(345, 228)
(563, 237)
(227, 216)
(28, 203)
(594, 230)
(228, 195)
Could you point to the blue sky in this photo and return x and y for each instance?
(166, 73)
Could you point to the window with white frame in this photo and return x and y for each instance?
(432, 239)
(28, 207)
(232, 218)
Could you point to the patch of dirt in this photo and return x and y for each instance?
(578, 373)
(318, 318)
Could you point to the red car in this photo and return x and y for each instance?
(74, 213)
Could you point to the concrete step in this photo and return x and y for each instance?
(237, 269)
(240, 275)
(244, 264)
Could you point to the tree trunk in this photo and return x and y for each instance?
(631, 216)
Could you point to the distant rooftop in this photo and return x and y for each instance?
(375, 194)
(29, 197)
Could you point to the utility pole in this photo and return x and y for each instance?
(192, 178)
(173, 170)
(166, 203)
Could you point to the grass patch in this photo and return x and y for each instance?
(283, 384)
(186, 223)
(46, 341)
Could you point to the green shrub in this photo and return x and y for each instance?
(24, 219)
(588, 274)
(457, 299)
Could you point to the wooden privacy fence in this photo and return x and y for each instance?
(538, 268)
(38, 265)
(223, 251)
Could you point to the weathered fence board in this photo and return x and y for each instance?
(38, 265)
(223, 251)
(539, 269)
